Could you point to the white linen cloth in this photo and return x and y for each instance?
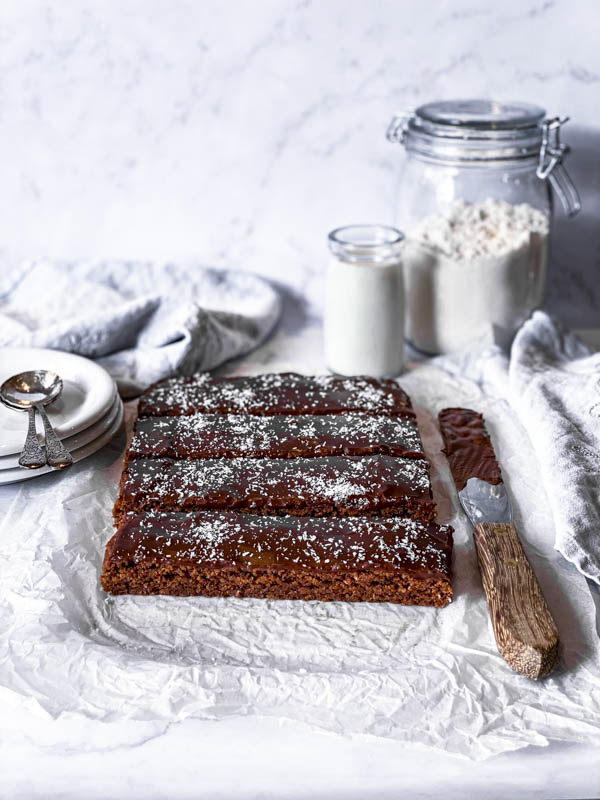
(141, 321)
(552, 381)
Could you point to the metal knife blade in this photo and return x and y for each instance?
(485, 502)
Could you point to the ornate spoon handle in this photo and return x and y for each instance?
(57, 454)
(32, 456)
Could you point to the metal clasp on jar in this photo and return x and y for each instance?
(550, 166)
(396, 131)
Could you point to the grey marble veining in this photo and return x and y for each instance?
(239, 134)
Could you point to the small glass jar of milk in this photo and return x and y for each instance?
(364, 310)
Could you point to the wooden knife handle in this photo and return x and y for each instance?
(525, 632)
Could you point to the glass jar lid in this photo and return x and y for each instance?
(480, 115)
(471, 130)
(488, 133)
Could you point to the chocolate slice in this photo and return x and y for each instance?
(303, 486)
(278, 393)
(245, 435)
(227, 553)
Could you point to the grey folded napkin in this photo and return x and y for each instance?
(552, 381)
(141, 321)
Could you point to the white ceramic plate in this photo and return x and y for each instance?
(88, 393)
(73, 443)
(20, 474)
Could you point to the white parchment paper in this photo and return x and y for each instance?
(412, 674)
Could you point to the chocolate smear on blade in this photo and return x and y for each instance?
(468, 447)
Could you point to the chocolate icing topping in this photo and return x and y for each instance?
(231, 435)
(274, 393)
(230, 539)
(468, 447)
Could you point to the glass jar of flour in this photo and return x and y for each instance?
(475, 204)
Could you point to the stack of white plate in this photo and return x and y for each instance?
(85, 417)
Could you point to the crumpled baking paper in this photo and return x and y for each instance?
(412, 674)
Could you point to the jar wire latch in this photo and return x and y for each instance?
(396, 131)
(550, 166)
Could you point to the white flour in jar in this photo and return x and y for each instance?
(478, 269)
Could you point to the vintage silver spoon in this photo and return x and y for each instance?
(31, 391)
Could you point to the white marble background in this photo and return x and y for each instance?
(238, 133)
